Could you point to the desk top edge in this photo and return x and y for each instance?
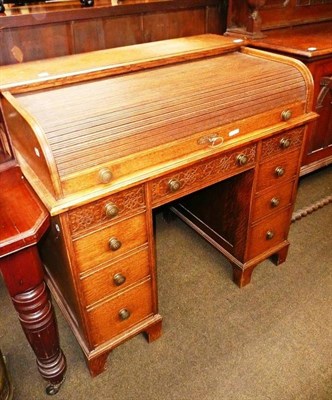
(114, 61)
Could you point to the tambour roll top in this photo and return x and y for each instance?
(107, 132)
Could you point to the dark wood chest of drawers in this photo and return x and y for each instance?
(303, 30)
(178, 122)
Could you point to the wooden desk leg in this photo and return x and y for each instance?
(242, 277)
(24, 277)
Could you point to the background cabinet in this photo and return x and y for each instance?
(301, 29)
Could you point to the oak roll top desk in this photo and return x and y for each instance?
(201, 123)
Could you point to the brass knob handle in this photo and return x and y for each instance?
(111, 210)
(269, 235)
(275, 202)
(119, 279)
(124, 314)
(285, 143)
(286, 115)
(241, 159)
(114, 244)
(174, 185)
(105, 175)
(279, 171)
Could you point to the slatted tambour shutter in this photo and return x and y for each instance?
(103, 120)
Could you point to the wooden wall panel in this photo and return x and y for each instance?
(173, 24)
(34, 42)
(123, 30)
(31, 33)
(214, 22)
(87, 35)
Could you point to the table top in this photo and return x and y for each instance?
(23, 218)
(309, 40)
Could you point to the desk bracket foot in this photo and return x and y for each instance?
(242, 277)
(280, 257)
(97, 365)
(154, 331)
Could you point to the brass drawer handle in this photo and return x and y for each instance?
(213, 140)
(111, 210)
(286, 115)
(269, 235)
(174, 185)
(279, 171)
(124, 314)
(114, 244)
(284, 143)
(274, 202)
(119, 279)
(241, 160)
(105, 175)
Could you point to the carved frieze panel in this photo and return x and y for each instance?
(209, 171)
(273, 146)
(127, 202)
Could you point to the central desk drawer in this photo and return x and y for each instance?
(106, 244)
(120, 313)
(203, 174)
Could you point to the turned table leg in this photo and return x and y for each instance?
(24, 278)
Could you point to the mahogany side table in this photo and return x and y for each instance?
(23, 221)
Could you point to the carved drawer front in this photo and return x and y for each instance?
(116, 277)
(282, 143)
(268, 233)
(109, 209)
(187, 180)
(120, 313)
(106, 244)
(278, 169)
(272, 201)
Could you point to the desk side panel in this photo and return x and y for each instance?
(30, 147)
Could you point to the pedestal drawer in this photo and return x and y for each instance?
(268, 233)
(110, 208)
(272, 200)
(283, 143)
(278, 170)
(106, 244)
(115, 277)
(120, 313)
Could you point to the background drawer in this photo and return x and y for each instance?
(93, 249)
(258, 240)
(267, 175)
(273, 200)
(105, 322)
(94, 214)
(107, 281)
